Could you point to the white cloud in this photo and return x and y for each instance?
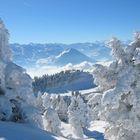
(41, 70)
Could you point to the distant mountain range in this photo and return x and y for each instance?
(29, 55)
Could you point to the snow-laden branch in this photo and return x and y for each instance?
(120, 102)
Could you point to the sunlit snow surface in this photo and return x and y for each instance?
(15, 131)
(94, 132)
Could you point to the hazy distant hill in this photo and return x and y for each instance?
(72, 56)
(29, 54)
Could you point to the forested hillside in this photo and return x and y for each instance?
(69, 80)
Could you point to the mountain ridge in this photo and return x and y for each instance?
(27, 55)
(72, 56)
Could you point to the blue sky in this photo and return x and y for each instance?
(69, 21)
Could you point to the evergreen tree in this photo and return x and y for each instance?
(17, 99)
(78, 115)
(121, 102)
(52, 122)
(61, 108)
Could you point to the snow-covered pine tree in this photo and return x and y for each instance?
(121, 103)
(15, 85)
(78, 115)
(73, 118)
(56, 102)
(52, 122)
(105, 77)
(5, 57)
(61, 108)
(5, 52)
(94, 104)
(83, 112)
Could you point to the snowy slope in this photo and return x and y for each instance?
(14, 131)
(94, 132)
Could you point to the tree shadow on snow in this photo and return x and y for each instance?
(94, 134)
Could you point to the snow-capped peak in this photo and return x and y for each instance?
(71, 56)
